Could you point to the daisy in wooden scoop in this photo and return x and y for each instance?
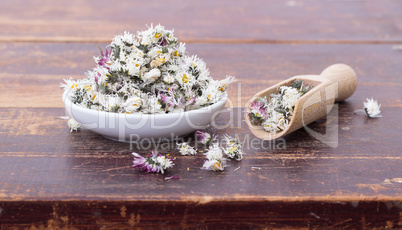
(298, 101)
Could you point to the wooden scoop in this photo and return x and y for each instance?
(334, 84)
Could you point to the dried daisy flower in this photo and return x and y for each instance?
(275, 122)
(148, 72)
(233, 148)
(289, 97)
(205, 137)
(274, 114)
(258, 109)
(186, 149)
(371, 108)
(73, 125)
(215, 160)
(154, 162)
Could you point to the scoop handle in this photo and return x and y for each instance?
(346, 78)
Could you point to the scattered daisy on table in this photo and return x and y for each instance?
(233, 148)
(154, 162)
(215, 159)
(185, 149)
(205, 137)
(371, 108)
(73, 125)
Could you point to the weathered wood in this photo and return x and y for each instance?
(85, 165)
(53, 179)
(33, 78)
(205, 21)
(306, 183)
(260, 214)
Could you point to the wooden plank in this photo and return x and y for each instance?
(183, 215)
(205, 21)
(32, 79)
(51, 178)
(86, 166)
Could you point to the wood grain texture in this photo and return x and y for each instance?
(86, 166)
(301, 180)
(204, 21)
(34, 77)
(53, 179)
(44, 167)
(193, 215)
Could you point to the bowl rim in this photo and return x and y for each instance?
(68, 103)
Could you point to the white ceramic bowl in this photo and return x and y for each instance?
(136, 127)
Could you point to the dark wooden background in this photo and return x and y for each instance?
(52, 179)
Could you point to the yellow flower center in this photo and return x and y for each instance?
(217, 165)
(158, 35)
(222, 87)
(176, 53)
(93, 97)
(137, 103)
(161, 60)
(185, 78)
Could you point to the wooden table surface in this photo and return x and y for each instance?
(52, 179)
